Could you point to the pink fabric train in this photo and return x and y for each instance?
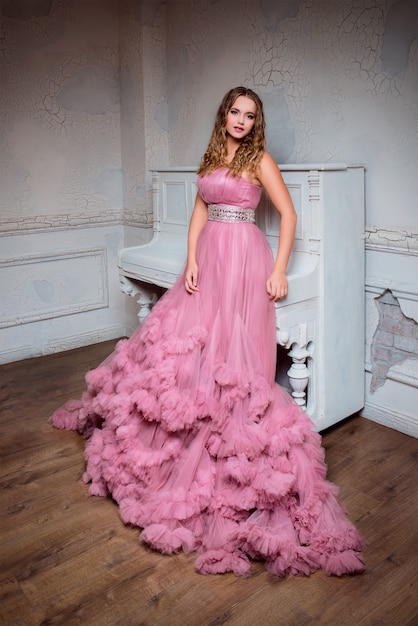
(187, 430)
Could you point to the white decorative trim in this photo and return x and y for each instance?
(405, 372)
(32, 224)
(392, 240)
(315, 209)
(85, 339)
(28, 224)
(147, 294)
(9, 355)
(377, 286)
(392, 263)
(45, 223)
(139, 220)
(407, 424)
(100, 302)
(71, 342)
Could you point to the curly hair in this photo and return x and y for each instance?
(249, 152)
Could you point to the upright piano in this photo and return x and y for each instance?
(320, 324)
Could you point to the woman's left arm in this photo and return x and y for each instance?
(271, 179)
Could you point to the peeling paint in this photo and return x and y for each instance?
(395, 339)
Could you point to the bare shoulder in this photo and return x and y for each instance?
(267, 160)
(268, 170)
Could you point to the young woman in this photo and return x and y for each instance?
(187, 429)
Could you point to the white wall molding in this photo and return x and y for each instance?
(390, 417)
(377, 286)
(392, 240)
(33, 224)
(84, 339)
(392, 264)
(59, 285)
(26, 225)
(18, 275)
(65, 343)
(8, 355)
(142, 220)
(405, 372)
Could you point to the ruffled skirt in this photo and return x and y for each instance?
(188, 432)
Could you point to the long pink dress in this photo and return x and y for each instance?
(188, 431)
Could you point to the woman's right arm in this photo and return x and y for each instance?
(197, 222)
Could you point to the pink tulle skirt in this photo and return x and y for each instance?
(188, 432)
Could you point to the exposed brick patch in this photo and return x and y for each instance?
(394, 341)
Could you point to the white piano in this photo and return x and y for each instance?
(320, 325)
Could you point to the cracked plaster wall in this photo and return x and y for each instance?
(60, 108)
(92, 99)
(62, 178)
(338, 79)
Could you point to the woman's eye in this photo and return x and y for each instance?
(250, 116)
(233, 111)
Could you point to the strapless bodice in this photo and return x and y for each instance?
(220, 187)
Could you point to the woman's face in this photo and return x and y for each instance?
(240, 118)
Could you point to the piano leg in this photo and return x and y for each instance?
(147, 296)
(299, 374)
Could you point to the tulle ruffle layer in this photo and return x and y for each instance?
(187, 432)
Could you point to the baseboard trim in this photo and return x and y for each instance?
(64, 343)
(84, 339)
(17, 354)
(407, 424)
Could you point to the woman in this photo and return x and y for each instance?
(187, 429)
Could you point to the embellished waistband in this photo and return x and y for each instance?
(228, 213)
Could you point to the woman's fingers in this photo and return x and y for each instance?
(276, 290)
(190, 281)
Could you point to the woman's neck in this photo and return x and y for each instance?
(232, 146)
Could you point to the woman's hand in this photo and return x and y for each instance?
(197, 223)
(190, 278)
(277, 286)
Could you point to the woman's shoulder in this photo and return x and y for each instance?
(267, 161)
(267, 168)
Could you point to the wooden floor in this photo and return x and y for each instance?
(66, 558)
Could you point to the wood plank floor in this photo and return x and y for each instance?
(66, 558)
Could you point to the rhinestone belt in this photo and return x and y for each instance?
(227, 213)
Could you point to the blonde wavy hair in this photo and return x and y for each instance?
(249, 152)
